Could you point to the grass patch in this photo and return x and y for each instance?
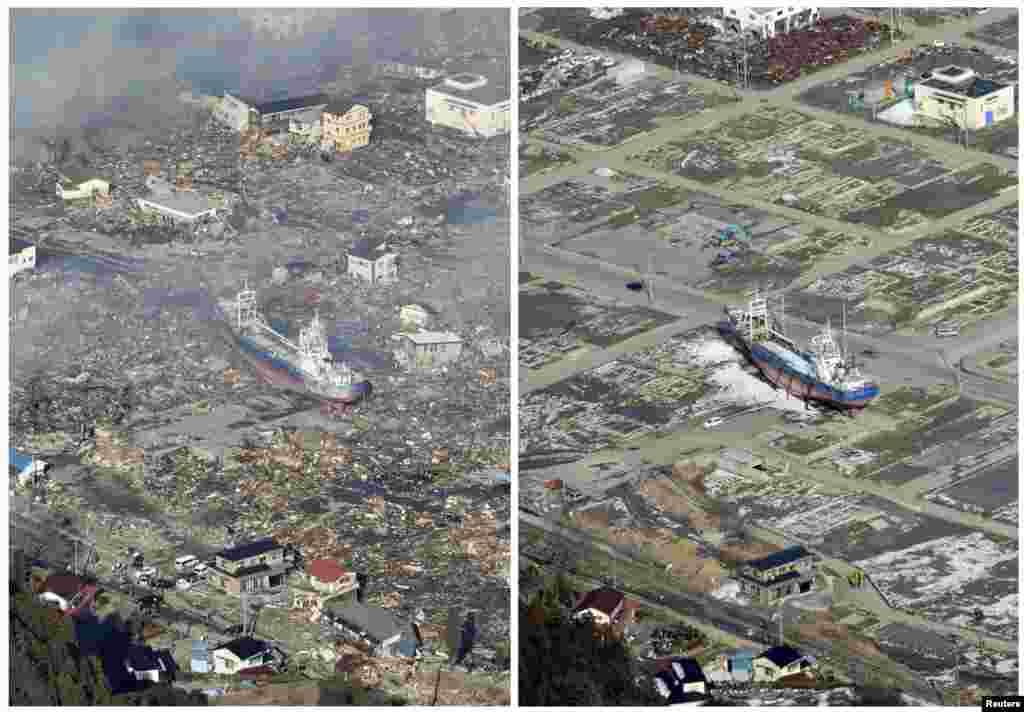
(1000, 361)
(806, 446)
(545, 160)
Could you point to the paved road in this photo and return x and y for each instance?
(899, 360)
(704, 606)
(977, 386)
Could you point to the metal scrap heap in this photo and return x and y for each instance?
(790, 54)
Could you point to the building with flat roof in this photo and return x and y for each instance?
(178, 206)
(766, 22)
(429, 349)
(345, 125)
(781, 574)
(959, 94)
(475, 102)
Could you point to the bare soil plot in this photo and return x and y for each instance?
(825, 169)
(555, 320)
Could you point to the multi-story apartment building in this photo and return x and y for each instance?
(345, 125)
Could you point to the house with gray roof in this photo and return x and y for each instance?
(377, 627)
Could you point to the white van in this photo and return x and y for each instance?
(185, 563)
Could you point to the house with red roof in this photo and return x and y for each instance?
(604, 606)
(325, 579)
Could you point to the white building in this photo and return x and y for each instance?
(429, 349)
(78, 187)
(242, 113)
(765, 22)
(241, 654)
(178, 207)
(21, 256)
(958, 93)
(470, 102)
(371, 260)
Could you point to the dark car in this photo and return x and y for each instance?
(163, 583)
(869, 353)
(150, 601)
(635, 286)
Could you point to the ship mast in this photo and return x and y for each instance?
(845, 352)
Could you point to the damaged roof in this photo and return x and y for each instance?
(245, 647)
(377, 623)
(605, 600)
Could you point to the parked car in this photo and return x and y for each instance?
(200, 569)
(183, 585)
(938, 43)
(713, 422)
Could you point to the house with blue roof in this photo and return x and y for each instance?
(25, 467)
(682, 683)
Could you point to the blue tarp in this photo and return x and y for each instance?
(360, 217)
(21, 461)
(279, 216)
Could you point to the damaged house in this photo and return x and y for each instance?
(429, 349)
(21, 256)
(375, 626)
(79, 187)
(253, 567)
(371, 261)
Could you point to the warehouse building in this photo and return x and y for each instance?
(766, 22)
(471, 102)
(958, 93)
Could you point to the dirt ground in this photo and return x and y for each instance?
(305, 693)
(667, 498)
(697, 574)
(457, 689)
(824, 628)
(748, 551)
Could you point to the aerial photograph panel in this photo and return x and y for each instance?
(768, 307)
(259, 435)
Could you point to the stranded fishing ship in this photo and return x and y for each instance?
(307, 366)
(819, 373)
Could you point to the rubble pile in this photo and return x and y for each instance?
(110, 453)
(401, 568)
(478, 539)
(314, 543)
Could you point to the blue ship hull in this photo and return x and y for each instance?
(780, 372)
